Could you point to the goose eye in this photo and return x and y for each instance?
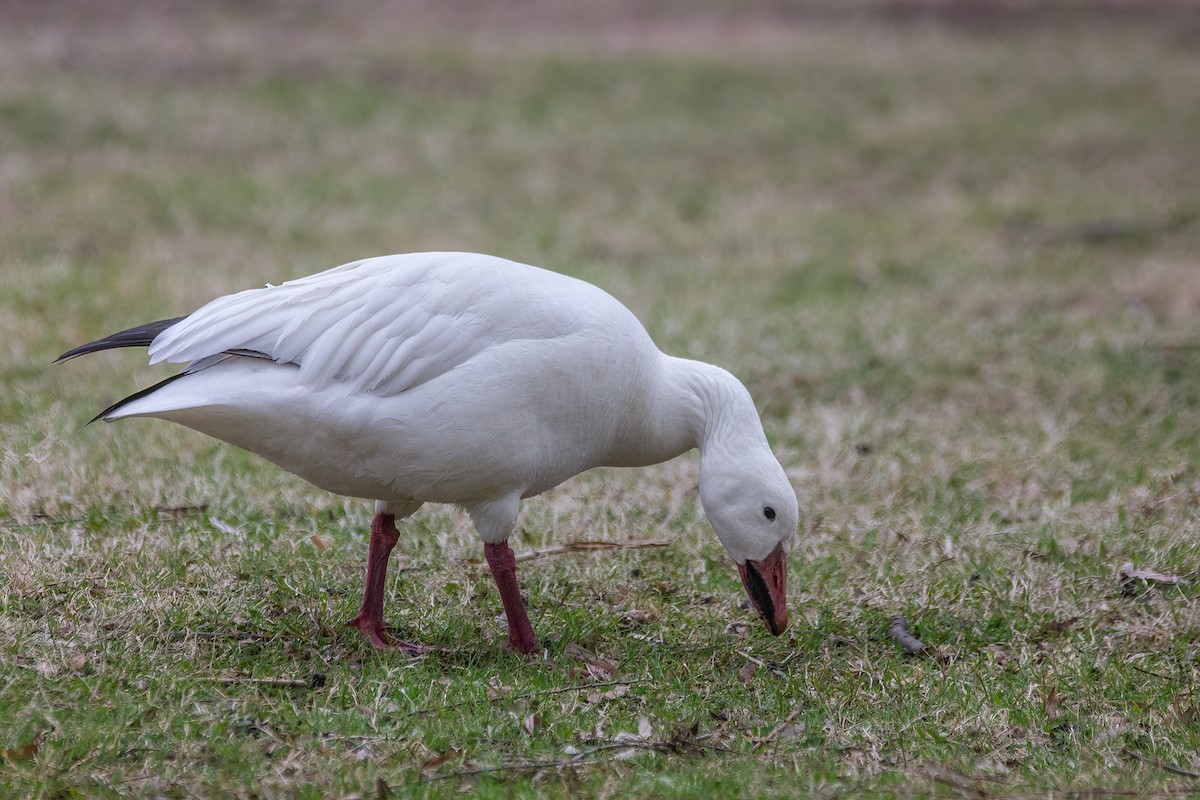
(769, 513)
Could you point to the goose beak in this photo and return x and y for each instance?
(766, 583)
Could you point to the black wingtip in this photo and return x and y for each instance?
(141, 336)
(135, 396)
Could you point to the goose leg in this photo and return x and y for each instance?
(504, 571)
(370, 617)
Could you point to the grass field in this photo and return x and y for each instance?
(955, 264)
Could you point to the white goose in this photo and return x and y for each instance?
(467, 379)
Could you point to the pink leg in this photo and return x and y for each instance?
(504, 571)
(370, 617)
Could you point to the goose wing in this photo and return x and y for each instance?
(382, 325)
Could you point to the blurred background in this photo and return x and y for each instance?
(953, 206)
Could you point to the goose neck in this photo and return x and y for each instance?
(713, 405)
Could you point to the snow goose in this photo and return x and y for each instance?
(466, 379)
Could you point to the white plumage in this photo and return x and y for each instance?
(467, 379)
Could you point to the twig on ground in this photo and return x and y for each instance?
(775, 731)
(528, 695)
(268, 681)
(1158, 675)
(587, 546)
(1154, 762)
(1105, 230)
(546, 692)
(587, 757)
(241, 636)
(751, 658)
(898, 630)
(179, 512)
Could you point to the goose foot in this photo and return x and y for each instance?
(380, 639)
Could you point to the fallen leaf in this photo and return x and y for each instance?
(644, 729)
(747, 673)
(573, 650)
(739, 629)
(612, 694)
(318, 542)
(602, 669)
(437, 759)
(596, 734)
(617, 691)
(1052, 703)
(26, 751)
(531, 724)
(78, 662)
(634, 617)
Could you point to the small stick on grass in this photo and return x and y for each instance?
(589, 546)
(1158, 675)
(594, 755)
(241, 636)
(1154, 762)
(266, 681)
(514, 698)
(775, 731)
(751, 658)
(898, 630)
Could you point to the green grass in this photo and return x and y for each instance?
(957, 271)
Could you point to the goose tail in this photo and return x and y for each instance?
(135, 396)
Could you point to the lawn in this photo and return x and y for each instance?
(954, 259)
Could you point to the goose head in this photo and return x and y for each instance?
(753, 510)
